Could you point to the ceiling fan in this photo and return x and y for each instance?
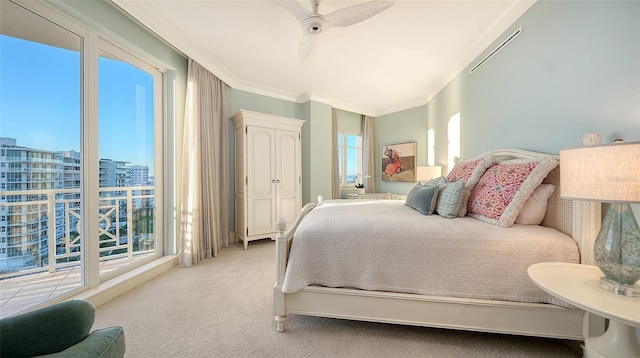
(313, 23)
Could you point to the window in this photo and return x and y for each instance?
(349, 157)
(127, 121)
(72, 136)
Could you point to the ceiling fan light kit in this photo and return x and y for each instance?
(313, 23)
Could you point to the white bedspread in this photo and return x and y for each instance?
(386, 246)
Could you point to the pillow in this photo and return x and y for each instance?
(504, 188)
(471, 170)
(534, 209)
(436, 181)
(466, 194)
(422, 198)
(450, 199)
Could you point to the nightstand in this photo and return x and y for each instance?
(579, 285)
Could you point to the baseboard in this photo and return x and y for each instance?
(123, 283)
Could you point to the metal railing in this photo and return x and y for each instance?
(126, 226)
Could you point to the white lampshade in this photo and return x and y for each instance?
(428, 173)
(606, 173)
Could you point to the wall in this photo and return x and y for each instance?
(575, 68)
(316, 151)
(349, 122)
(405, 126)
(258, 103)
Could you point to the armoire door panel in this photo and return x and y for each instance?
(287, 155)
(261, 216)
(260, 161)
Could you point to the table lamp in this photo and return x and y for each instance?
(428, 173)
(609, 173)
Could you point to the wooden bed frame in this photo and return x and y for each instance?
(578, 219)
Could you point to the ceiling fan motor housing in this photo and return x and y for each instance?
(315, 24)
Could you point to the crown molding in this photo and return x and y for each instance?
(147, 16)
(417, 102)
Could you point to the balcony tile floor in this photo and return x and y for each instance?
(22, 292)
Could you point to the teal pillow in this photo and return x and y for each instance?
(450, 199)
(436, 181)
(423, 198)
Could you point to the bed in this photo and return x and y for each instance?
(446, 291)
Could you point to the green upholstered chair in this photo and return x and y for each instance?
(60, 330)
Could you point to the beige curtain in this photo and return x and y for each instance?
(368, 152)
(335, 170)
(204, 211)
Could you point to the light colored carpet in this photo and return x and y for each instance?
(222, 307)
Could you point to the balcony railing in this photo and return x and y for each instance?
(125, 227)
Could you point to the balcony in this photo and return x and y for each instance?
(22, 292)
(34, 273)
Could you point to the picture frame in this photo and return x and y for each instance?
(398, 162)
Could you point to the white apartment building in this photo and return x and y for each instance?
(24, 228)
(113, 173)
(138, 175)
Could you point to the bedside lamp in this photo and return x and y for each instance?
(428, 173)
(611, 174)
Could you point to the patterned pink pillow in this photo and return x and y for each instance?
(463, 170)
(505, 187)
(470, 171)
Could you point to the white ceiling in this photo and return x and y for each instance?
(395, 60)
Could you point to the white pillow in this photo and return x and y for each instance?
(534, 209)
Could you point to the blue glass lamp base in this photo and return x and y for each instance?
(620, 289)
(617, 251)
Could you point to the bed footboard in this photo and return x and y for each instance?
(283, 243)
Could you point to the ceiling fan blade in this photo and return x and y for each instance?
(306, 44)
(294, 8)
(357, 13)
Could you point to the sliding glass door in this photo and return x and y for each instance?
(81, 137)
(127, 122)
(41, 115)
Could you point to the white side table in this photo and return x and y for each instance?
(579, 285)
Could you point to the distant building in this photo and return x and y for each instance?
(25, 228)
(113, 173)
(71, 203)
(138, 175)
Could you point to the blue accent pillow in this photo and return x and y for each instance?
(423, 198)
(450, 199)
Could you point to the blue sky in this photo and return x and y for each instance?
(40, 102)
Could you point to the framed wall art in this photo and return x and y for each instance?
(399, 162)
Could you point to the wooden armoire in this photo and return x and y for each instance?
(268, 173)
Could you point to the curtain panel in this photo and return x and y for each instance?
(204, 212)
(335, 163)
(368, 153)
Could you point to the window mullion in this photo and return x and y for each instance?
(90, 162)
